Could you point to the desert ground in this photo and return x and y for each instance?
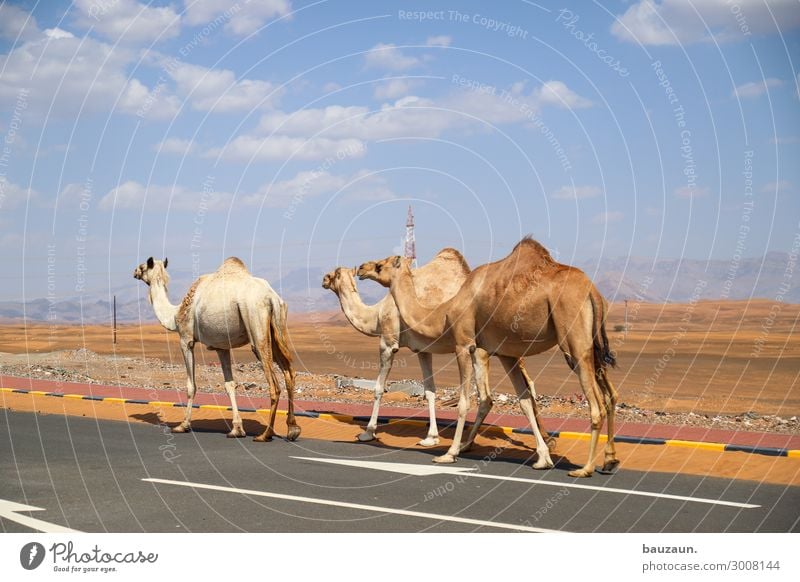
(708, 358)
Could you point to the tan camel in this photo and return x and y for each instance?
(522, 305)
(224, 310)
(435, 283)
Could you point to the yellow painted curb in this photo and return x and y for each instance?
(795, 454)
(696, 445)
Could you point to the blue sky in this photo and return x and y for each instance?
(295, 134)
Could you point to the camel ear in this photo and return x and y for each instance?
(166, 261)
(150, 263)
(397, 262)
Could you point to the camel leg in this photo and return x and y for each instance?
(610, 394)
(426, 365)
(191, 388)
(465, 368)
(527, 403)
(258, 330)
(550, 440)
(480, 362)
(387, 357)
(289, 377)
(585, 370)
(230, 387)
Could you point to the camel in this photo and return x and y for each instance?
(436, 282)
(522, 305)
(224, 310)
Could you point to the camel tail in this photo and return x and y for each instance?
(278, 324)
(603, 356)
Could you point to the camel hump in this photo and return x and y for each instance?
(451, 254)
(233, 265)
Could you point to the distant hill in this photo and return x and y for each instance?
(663, 280)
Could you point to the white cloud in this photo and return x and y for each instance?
(219, 90)
(16, 23)
(389, 58)
(608, 217)
(65, 75)
(558, 94)
(240, 18)
(688, 192)
(175, 145)
(671, 22)
(132, 195)
(756, 89)
(442, 40)
(775, 187)
(127, 20)
(394, 88)
(784, 140)
(57, 33)
(13, 195)
(335, 127)
(417, 116)
(247, 148)
(576, 192)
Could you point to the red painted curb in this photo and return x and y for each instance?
(689, 433)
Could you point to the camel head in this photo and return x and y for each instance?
(381, 271)
(151, 270)
(336, 279)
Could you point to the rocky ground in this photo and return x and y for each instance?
(88, 367)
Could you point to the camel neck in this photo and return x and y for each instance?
(421, 319)
(164, 310)
(365, 318)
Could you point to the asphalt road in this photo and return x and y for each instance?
(88, 475)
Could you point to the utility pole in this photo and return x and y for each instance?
(626, 319)
(114, 322)
(410, 246)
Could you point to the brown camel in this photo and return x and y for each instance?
(224, 310)
(436, 281)
(522, 305)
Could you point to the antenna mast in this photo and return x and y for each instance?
(410, 247)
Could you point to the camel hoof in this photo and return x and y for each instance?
(445, 459)
(542, 464)
(262, 438)
(610, 467)
(293, 433)
(180, 429)
(366, 436)
(429, 442)
(237, 433)
(580, 473)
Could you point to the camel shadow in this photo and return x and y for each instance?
(510, 449)
(216, 425)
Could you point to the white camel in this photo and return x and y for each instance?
(223, 310)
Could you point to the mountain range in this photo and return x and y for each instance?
(661, 280)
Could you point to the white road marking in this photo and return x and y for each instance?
(374, 508)
(9, 509)
(423, 470)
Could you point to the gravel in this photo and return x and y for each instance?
(85, 366)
